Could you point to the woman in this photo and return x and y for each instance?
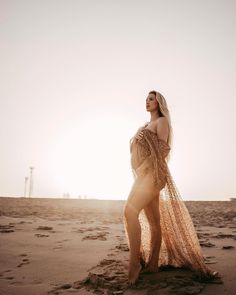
(158, 226)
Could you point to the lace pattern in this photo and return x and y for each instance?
(180, 246)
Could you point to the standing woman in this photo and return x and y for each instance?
(158, 227)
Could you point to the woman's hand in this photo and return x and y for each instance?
(139, 134)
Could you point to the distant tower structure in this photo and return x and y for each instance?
(26, 185)
(31, 181)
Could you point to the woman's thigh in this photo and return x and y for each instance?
(142, 193)
(152, 211)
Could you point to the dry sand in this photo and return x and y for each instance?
(63, 246)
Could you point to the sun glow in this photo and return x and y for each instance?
(92, 158)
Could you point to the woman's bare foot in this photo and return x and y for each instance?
(151, 268)
(134, 271)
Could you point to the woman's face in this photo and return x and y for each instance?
(151, 103)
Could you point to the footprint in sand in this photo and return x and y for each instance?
(9, 278)
(65, 240)
(24, 260)
(208, 260)
(46, 228)
(6, 272)
(6, 228)
(101, 235)
(227, 247)
(85, 229)
(57, 247)
(42, 227)
(221, 235)
(22, 222)
(122, 247)
(110, 277)
(41, 235)
(111, 254)
(206, 243)
(23, 254)
(60, 246)
(120, 238)
(84, 222)
(98, 236)
(56, 289)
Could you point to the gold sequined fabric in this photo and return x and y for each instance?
(180, 245)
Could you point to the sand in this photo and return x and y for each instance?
(65, 246)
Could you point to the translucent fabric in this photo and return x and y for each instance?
(180, 246)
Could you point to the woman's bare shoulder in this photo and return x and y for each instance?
(162, 128)
(160, 121)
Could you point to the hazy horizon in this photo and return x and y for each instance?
(75, 76)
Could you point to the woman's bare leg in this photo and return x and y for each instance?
(152, 213)
(142, 193)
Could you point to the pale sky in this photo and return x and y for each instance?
(74, 79)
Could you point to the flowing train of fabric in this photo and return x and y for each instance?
(180, 245)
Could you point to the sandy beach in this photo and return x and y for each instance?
(64, 246)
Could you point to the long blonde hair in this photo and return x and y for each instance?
(164, 111)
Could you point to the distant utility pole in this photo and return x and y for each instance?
(26, 185)
(31, 181)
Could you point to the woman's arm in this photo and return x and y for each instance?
(163, 128)
(163, 133)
